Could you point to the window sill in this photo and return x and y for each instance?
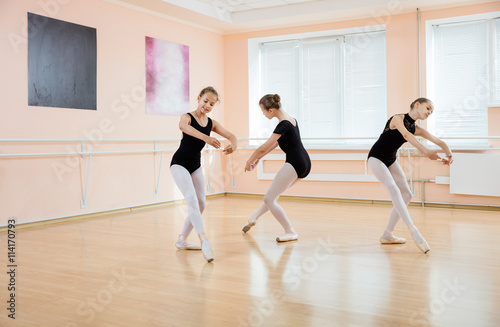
(464, 147)
(338, 146)
(348, 147)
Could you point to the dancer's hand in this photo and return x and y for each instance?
(228, 149)
(432, 154)
(251, 165)
(254, 164)
(447, 160)
(213, 142)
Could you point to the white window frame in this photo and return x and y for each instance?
(255, 87)
(494, 79)
(491, 101)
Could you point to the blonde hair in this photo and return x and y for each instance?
(209, 89)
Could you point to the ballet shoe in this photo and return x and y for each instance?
(423, 246)
(250, 223)
(287, 237)
(207, 252)
(185, 245)
(391, 239)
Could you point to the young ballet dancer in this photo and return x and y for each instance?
(186, 166)
(399, 129)
(297, 165)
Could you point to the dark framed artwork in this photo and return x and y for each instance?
(62, 64)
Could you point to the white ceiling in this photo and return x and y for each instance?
(243, 5)
(235, 16)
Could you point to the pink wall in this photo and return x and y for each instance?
(402, 88)
(46, 187)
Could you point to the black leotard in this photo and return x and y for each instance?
(390, 141)
(291, 144)
(189, 153)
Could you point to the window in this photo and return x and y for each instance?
(495, 82)
(463, 60)
(334, 85)
(365, 92)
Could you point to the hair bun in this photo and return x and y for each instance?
(276, 98)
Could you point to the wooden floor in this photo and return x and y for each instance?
(123, 270)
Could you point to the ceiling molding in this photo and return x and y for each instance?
(214, 18)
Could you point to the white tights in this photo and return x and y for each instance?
(285, 178)
(192, 186)
(394, 181)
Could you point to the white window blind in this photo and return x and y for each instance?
(279, 75)
(321, 88)
(335, 86)
(460, 68)
(495, 94)
(365, 85)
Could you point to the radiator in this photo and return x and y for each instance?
(475, 174)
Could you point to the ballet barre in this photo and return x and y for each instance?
(346, 145)
(84, 153)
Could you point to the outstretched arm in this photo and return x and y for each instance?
(420, 131)
(185, 127)
(409, 137)
(217, 128)
(261, 151)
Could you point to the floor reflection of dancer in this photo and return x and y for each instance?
(382, 162)
(297, 165)
(186, 166)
